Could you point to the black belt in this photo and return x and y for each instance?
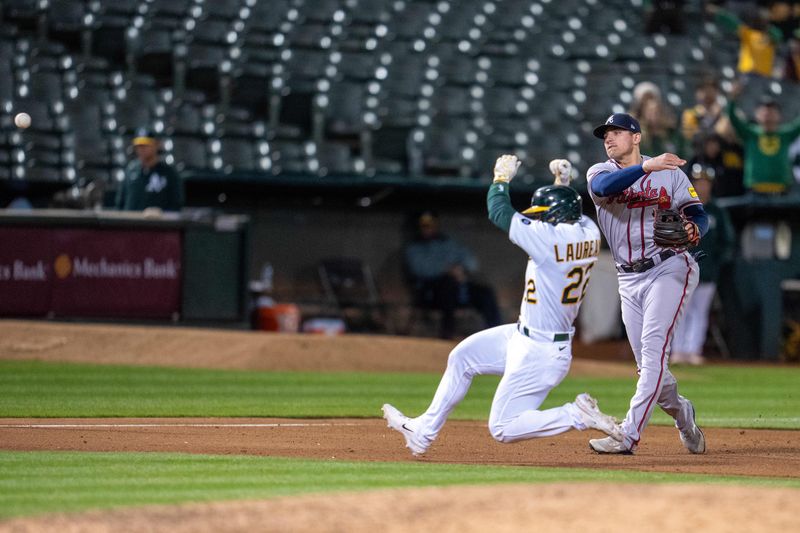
(644, 265)
(557, 337)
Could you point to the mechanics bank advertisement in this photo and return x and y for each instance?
(77, 272)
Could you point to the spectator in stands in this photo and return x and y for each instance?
(791, 66)
(439, 269)
(657, 120)
(784, 15)
(149, 183)
(767, 168)
(758, 39)
(707, 115)
(718, 160)
(718, 245)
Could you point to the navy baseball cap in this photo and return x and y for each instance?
(621, 121)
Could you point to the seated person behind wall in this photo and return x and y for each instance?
(149, 182)
(439, 268)
(767, 168)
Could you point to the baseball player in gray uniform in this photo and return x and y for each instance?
(654, 282)
(533, 355)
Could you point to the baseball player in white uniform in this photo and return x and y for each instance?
(654, 282)
(533, 355)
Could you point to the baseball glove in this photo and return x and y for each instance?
(672, 230)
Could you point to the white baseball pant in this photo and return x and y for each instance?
(652, 305)
(531, 368)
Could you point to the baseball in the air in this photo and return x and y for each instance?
(22, 120)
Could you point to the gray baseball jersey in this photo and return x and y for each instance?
(626, 219)
(652, 301)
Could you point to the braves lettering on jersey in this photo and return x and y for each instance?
(627, 218)
(561, 258)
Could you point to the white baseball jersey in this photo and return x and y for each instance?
(561, 258)
(627, 218)
(534, 360)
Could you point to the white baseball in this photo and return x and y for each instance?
(22, 120)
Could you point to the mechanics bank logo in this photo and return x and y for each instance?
(62, 266)
(91, 268)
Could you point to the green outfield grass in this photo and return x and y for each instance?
(41, 482)
(725, 396)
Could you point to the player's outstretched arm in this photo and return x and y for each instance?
(498, 200)
(665, 161)
(610, 183)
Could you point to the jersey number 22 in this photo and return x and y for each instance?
(579, 277)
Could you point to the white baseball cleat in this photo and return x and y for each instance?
(400, 422)
(595, 419)
(692, 437)
(609, 445)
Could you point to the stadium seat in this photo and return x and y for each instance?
(45, 81)
(319, 11)
(111, 21)
(152, 51)
(342, 115)
(239, 154)
(188, 152)
(227, 10)
(304, 67)
(357, 65)
(388, 152)
(26, 14)
(442, 150)
(288, 157)
(251, 87)
(205, 67)
(454, 101)
(136, 104)
(408, 23)
(169, 14)
(67, 23)
(266, 17)
(331, 158)
(190, 116)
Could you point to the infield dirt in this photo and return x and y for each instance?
(731, 451)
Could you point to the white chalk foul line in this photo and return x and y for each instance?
(168, 425)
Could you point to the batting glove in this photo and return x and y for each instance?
(506, 168)
(562, 170)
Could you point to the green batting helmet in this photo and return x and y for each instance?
(555, 204)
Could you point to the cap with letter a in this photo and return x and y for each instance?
(620, 121)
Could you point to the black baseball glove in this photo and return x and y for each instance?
(672, 230)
